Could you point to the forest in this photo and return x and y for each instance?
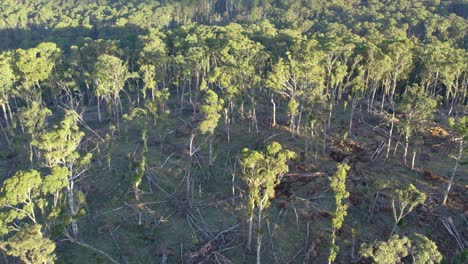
(233, 131)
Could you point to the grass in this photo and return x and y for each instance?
(134, 234)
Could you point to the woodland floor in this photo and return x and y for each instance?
(213, 228)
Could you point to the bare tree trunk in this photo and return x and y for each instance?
(406, 148)
(189, 166)
(259, 235)
(413, 159)
(299, 120)
(454, 171)
(390, 135)
(274, 112)
(249, 235)
(99, 109)
(353, 107)
(71, 206)
(226, 123)
(325, 132)
(211, 150)
(6, 117)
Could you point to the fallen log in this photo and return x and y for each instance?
(202, 252)
(302, 176)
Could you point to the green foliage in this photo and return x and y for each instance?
(460, 126)
(59, 146)
(389, 252)
(7, 78)
(36, 64)
(110, 75)
(417, 106)
(425, 251)
(18, 195)
(29, 245)
(338, 185)
(33, 119)
(395, 249)
(404, 201)
(262, 171)
(27, 191)
(210, 112)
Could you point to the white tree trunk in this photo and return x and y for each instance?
(259, 235)
(274, 112)
(71, 206)
(454, 171)
(389, 144)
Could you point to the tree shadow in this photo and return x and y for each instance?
(12, 39)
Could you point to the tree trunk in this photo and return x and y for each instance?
(189, 166)
(99, 110)
(211, 150)
(406, 149)
(249, 235)
(299, 120)
(325, 131)
(6, 117)
(390, 135)
(259, 235)
(413, 159)
(226, 123)
(353, 107)
(71, 206)
(274, 112)
(454, 171)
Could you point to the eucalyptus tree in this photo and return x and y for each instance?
(376, 67)
(454, 76)
(296, 77)
(33, 121)
(82, 59)
(404, 201)
(237, 72)
(338, 43)
(61, 147)
(210, 111)
(110, 75)
(7, 81)
(399, 52)
(30, 246)
(262, 171)
(393, 251)
(29, 201)
(148, 74)
(460, 127)
(141, 117)
(194, 46)
(358, 89)
(154, 59)
(418, 108)
(338, 185)
(433, 57)
(34, 66)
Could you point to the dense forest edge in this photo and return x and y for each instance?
(224, 131)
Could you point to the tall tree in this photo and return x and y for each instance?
(461, 129)
(417, 107)
(210, 118)
(33, 121)
(7, 81)
(110, 75)
(262, 171)
(404, 201)
(338, 185)
(34, 66)
(60, 147)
